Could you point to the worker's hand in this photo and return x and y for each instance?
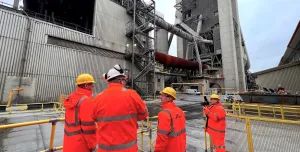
(205, 110)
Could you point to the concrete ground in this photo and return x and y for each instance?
(267, 137)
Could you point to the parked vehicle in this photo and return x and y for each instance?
(192, 92)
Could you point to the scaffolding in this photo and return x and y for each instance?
(143, 45)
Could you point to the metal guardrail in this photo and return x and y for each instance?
(248, 130)
(25, 108)
(145, 131)
(264, 110)
(53, 128)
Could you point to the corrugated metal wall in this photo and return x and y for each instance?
(54, 68)
(289, 78)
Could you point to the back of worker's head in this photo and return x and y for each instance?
(116, 75)
(168, 94)
(85, 81)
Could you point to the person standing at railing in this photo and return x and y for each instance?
(80, 128)
(216, 122)
(171, 132)
(116, 112)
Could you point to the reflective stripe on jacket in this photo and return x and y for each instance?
(79, 129)
(216, 122)
(171, 131)
(116, 111)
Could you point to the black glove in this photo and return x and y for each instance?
(205, 103)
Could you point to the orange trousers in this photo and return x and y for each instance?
(219, 143)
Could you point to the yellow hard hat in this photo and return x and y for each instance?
(169, 91)
(84, 78)
(214, 96)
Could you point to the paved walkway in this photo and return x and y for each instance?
(267, 137)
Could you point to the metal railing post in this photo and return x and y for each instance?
(150, 134)
(274, 113)
(205, 138)
(244, 110)
(239, 105)
(53, 128)
(211, 147)
(142, 134)
(42, 108)
(249, 135)
(282, 112)
(258, 110)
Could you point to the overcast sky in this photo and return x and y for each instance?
(267, 26)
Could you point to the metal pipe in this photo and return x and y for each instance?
(11, 94)
(52, 135)
(133, 47)
(199, 27)
(173, 29)
(30, 123)
(176, 62)
(155, 46)
(185, 27)
(23, 59)
(198, 57)
(187, 52)
(170, 40)
(53, 149)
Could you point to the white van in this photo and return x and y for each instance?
(192, 92)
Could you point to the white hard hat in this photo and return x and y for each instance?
(104, 77)
(114, 72)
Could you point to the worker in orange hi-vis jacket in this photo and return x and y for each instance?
(80, 128)
(216, 122)
(116, 112)
(171, 133)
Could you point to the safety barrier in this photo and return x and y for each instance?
(259, 134)
(53, 128)
(144, 131)
(148, 131)
(56, 107)
(263, 110)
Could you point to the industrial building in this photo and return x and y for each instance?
(286, 74)
(46, 44)
(227, 56)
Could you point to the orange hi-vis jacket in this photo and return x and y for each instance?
(216, 125)
(116, 111)
(80, 129)
(171, 132)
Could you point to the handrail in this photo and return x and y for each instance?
(148, 130)
(290, 111)
(143, 131)
(53, 128)
(31, 123)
